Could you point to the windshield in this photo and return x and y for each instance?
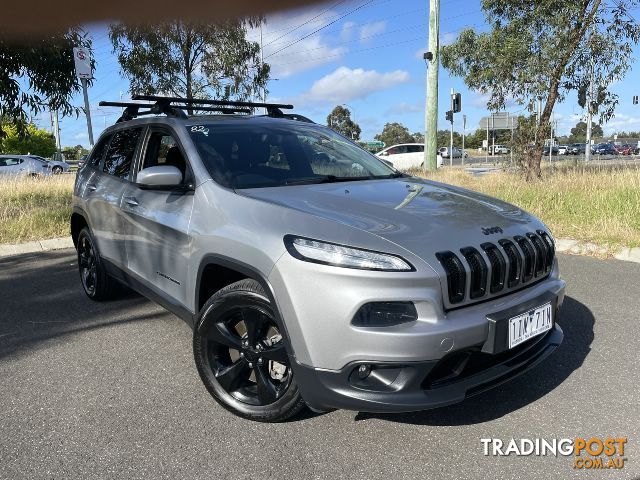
(250, 156)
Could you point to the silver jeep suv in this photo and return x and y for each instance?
(311, 272)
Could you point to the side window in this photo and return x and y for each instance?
(162, 149)
(98, 151)
(415, 148)
(120, 153)
(3, 162)
(10, 162)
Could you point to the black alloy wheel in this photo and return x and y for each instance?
(241, 355)
(87, 263)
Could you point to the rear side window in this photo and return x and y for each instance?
(120, 153)
(10, 162)
(415, 148)
(98, 151)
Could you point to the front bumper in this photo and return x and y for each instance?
(421, 386)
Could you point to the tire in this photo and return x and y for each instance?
(241, 355)
(56, 170)
(97, 284)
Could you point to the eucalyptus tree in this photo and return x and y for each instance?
(539, 51)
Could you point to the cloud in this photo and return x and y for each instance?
(404, 108)
(447, 39)
(281, 30)
(621, 122)
(347, 30)
(346, 84)
(370, 29)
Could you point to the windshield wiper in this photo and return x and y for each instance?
(308, 180)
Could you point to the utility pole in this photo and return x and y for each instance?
(451, 137)
(431, 107)
(86, 109)
(464, 133)
(551, 137)
(56, 128)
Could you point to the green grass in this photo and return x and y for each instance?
(598, 204)
(35, 208)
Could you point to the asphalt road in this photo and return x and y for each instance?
(110, 390)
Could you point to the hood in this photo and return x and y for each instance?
(419, 215)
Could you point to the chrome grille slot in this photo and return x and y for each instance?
(551, 249)
(529, 253)
(498, 267)
(515, 262)
(541, 253)
(456, 275)
(478, 270)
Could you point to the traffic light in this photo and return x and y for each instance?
(449, 116)
(456, 102)
(635, 99)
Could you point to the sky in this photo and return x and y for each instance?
(367, 55)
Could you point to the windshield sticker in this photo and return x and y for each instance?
(200, 129)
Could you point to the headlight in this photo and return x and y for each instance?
(343, 256)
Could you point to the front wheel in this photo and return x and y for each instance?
(240, 354)
(57, 170)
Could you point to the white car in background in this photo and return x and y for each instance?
(21, 166)
(55, 166)
(405, 156)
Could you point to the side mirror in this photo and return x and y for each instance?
(159, 177)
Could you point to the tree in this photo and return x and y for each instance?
(394, 133)
(418, 137)
(579, 132)
(542, 50)
(191, 60)
(29, 140)
(339, 120)
(39, 74)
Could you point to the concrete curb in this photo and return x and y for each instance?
(37, 246)
(575, 247)
(563, 245)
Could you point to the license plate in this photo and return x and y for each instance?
(529, 324)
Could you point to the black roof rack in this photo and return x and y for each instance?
(175, 106)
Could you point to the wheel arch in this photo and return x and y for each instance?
(77, 222)
(217, 271)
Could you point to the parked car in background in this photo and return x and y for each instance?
(405, 156)
(625, 149)
(577, 148)
(563, 149)
(554, 150)
(457, 152)
(21, 166)
(604, 149)
(55, 166)
(498, 150)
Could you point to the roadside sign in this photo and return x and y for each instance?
(499, 121)
(82, 60)
(376, 144)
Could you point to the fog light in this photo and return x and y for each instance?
(385, 314)
(364, 371)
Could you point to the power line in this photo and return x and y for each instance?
(321, 28)
(305, 23)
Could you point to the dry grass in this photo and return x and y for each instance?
(35, 208)
(598, 204)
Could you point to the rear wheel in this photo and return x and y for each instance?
(56, 170)
(96, 283)
(240, 354)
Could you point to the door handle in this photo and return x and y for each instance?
(131, 201)
(91, 187)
